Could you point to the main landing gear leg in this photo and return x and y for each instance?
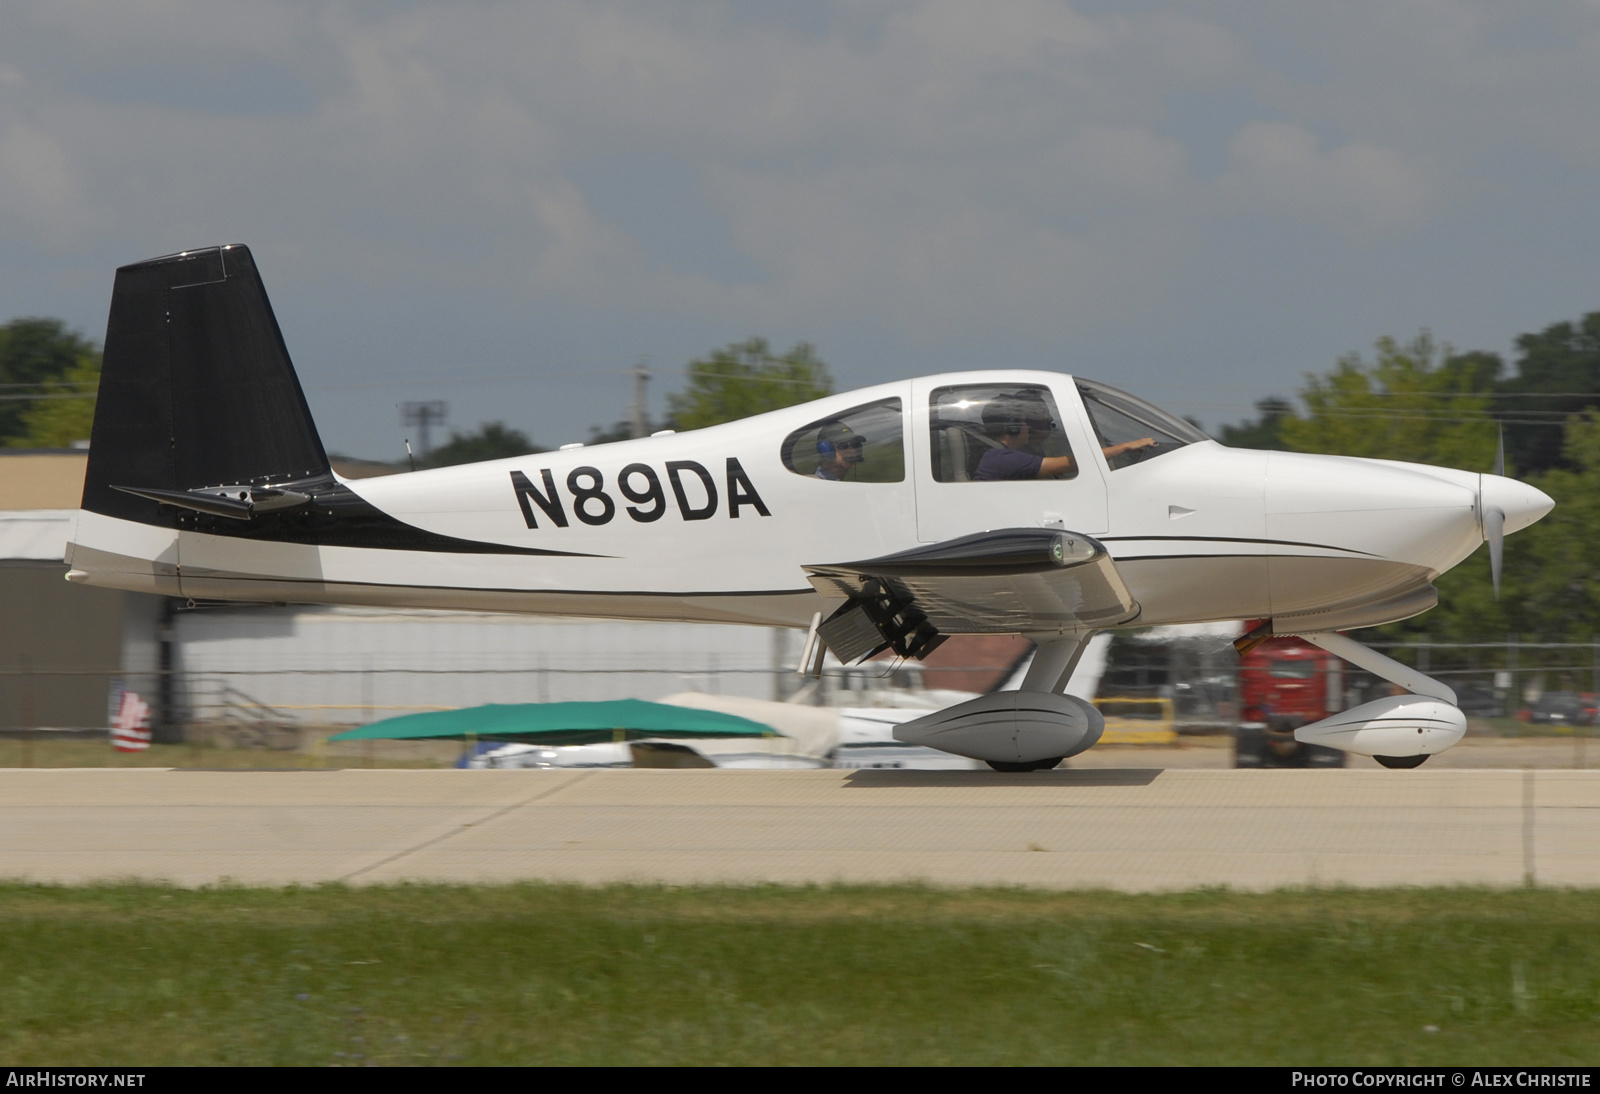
(1053, 662)
(1054, 658)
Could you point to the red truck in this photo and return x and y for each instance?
(1285, 683)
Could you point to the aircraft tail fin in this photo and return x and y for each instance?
(196, 388)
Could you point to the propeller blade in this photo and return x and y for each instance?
(1494, 530)
(1500, 452)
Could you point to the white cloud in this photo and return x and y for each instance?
(1357, 187)
(950, 168)
(123, 26)
(41, 189)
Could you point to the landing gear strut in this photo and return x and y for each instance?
(1053, 662)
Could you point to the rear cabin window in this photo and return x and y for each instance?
(972, 420)
(862, 444)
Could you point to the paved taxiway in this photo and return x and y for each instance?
(1125, 828)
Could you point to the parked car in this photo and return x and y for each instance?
(1563, 708)
(1480, 701)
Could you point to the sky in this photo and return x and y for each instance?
(507, 205)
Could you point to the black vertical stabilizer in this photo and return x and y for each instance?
(196, 388)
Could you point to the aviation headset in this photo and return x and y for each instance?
(1007, 414)
(842, 437)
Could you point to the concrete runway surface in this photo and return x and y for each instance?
(1124, 828)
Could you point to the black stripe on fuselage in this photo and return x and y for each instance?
(1205, 558)
(1230, 539)
(336, 517)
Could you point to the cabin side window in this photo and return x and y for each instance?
(862, 444)
(997, 432)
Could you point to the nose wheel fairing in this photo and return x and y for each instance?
(1421, 722)
(1393, 726)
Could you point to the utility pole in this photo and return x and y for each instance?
(637, 413)
(424, 416)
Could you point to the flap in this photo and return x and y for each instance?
(1016, 580)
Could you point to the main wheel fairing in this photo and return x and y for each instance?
(1011, 727)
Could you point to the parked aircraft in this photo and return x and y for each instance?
(886, 518)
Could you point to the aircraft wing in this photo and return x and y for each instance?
(1015, 580)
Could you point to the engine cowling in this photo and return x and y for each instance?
(1009, 727)
(1396, 725)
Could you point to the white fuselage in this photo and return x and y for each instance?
(1200, 533)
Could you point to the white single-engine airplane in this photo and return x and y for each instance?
(886, 518)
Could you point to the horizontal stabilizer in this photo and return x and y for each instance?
(214, 504)
(235, 503)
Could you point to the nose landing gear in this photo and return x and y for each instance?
(1399, 731)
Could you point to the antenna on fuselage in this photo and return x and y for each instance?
(638, 412)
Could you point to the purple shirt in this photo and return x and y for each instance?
(1000, 464)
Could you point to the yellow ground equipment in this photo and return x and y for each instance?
(1138, 721)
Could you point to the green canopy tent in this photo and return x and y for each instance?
(559, 724)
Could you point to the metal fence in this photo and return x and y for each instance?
(244, 705)
(1491, 680)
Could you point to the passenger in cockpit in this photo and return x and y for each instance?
(839, 449)
(1021, 423)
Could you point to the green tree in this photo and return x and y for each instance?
(36, 358)
(1414, 402)
(65, 415)
(1553, 568)
(746, 378)
(492, 441)
(1558, 375)
(1265, 431)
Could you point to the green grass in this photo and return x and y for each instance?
(149, 975)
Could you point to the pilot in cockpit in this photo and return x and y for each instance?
(1022, 423)
(839, 449)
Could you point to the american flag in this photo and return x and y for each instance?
(130, 727)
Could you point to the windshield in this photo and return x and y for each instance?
(1123, 421)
